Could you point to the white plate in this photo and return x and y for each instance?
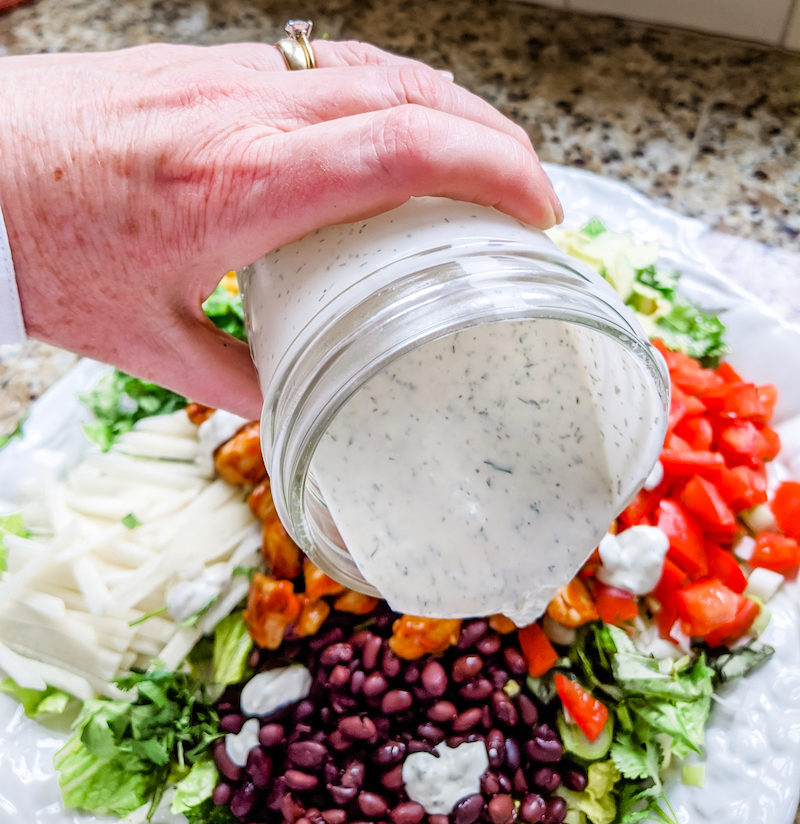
(753, 742)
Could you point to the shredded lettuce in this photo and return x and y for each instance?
(37, 704)
(597, 800)
(195, 787)
(10, 525)
(16, 432)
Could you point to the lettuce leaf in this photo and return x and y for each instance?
(10, 525)
(597, 800)
(224, 309)
(37, 703)
(195, 787)
(232, 645)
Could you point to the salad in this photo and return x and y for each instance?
(314, 703)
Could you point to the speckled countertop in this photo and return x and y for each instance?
(707, 126)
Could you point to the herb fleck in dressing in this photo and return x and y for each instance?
(476, 473)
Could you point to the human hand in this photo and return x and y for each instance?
(132, 180)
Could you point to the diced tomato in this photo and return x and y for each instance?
(685, 538)
(744, 442)
(672, 579)
(723, 566)
(785, 506)
(741, 400)
(681, 463)
(728, 373)
(586, 711)
(572, 605)
(693, 378)
(742, 487)
(703, 499)
(537, 649)
(682, 406)
(697, 432)
(775, 551)
(706, 606)
(615, 606)
(746, 613)
(590, 566)
(640, 508)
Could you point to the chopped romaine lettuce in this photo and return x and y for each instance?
(10, 525)
(195, 787)
(37, 703)
(232, 645)
(597, 801)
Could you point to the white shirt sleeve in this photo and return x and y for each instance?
(12, 327)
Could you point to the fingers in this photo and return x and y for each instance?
(326, 94)
(216, 370)
(347, 169)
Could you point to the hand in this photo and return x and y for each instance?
(131, 181)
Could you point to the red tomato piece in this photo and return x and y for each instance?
(686, 547)
(773, 442)
(697, 432)
(739, 400)
(728, 373)
(706, 606)
(587, 712)
(615, 606)
(681, 463)
(742, 487)
(703, 498)
(640, 508)
(775, 551)
(745, 615)
(537, 649)
(723, 566)
(682, 406)
(743, 442)
(785, 506)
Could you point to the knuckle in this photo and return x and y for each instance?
(419, 85)
(405, 138)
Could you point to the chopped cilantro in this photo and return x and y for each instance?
(131, 521)
(593, 228)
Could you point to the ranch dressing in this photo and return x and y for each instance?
(476, 473)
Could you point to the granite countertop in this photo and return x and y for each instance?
(704, 125)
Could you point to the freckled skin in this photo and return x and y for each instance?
(162, 167)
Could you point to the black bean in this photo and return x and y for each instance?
(513, 757)
(468, 810)
(393, 779)
(411, 674)
(489, 644)
(299, 780)
(499, 678)
(420, 746)
(505, 783)
(546, 778)
(342, 795)
(407, 812)
(259, 767)
(575, 779)
(254, 659)
(489, 783)
(519, 783)
(300, 731)
(232, 723)
(357, 681)
(487, 722)
(390, 664)
(270, 735)
(515, 661)
(303, 710)
(390, 753)
(501, 809)
(527, 709)
(431, 733)
(292, 809)
(544, 749)
(471, 633)
(438, 819)
(353, 775)
(306, 754)
(222, 794)
(442, 711)
(357, 726)
(478, 690)
(372, 648)
(361, 638)
(456, 741)
(340, 653)
(225, 765)
(547, 732)
(466, 667)
(277, 793)
(532, 809)
(495, 747)
(434, 678)
(556, 810)
(326, 714)
(504, 711)
(375, 684)
(396, 701)
(325, 639)
(338, 741)
(334, 816)
(372, 805)
(243, 800)
(341, 704)
(467, 720)
(339, 676)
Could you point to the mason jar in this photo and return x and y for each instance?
(454, 410)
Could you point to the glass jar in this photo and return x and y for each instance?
(351, 307)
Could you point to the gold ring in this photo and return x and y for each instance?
(296, 48)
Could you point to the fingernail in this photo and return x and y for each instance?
(558, 209)
(446, 74)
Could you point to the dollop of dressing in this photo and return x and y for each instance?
(633, 559)
(267, 691)
(475, 474)
(440, 783)
(238, 745)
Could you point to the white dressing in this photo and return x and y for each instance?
(268, 691)
(633, 559)
(440, 783)
(238, 745)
